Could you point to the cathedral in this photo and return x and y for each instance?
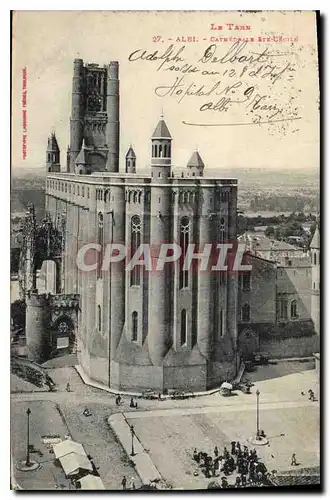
(133, 330)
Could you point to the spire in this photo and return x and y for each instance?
(52, 143)
(196, 160)
(81, 158)
(131, 153)
(315, 243)
(161, 131)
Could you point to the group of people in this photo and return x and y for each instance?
(125, 485)
(249, 469)
(132, 404)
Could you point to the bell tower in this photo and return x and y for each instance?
(159, 322)
(161, 152)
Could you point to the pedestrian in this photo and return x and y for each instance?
(124, 483)
(132, 405)
(233, 447)
(238, 482)
(133, 484)
(225, 453)
(243, 480)
(68, 388)
(195, 455)
(159, 396)
(293, 459)
(215, 467)
(224, 482)
(216, 451)
(238, 447)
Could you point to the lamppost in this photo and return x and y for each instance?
(258, 432)
(28, 463)
(132, 434)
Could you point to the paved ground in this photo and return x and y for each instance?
(170, 438)
(279, 369)
(156, 433)
(45, 419)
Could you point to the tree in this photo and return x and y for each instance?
(17, 312)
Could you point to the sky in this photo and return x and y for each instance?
(284, 83)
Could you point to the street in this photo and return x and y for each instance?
(169, 438)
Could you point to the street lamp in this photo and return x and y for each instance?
(28, 463)
(132, 434)
(258, 431)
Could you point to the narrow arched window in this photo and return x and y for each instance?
(99, 318)
(134, 326)
(222, 229)
(183, 336)
(221, 322)
(294, 310)
(184, 241)
(100, 242)
(135, 243)
(314, 256)
(246, 312)
(165, 150)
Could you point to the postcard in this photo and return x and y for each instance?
(165, 250)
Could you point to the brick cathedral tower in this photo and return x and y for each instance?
(94, 123)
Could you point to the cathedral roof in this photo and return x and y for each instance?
(315, 243)
(161, 131)
(82, 158)
(131, 153)
(52, 143)
(195, 160)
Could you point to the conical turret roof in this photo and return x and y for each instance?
(161, 131)
(82, 158)
(315, 243)
(52, 143)
(196, 160)
(130, 153)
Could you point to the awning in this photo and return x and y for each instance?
(72, 463)
(90, 482)
(68, 446)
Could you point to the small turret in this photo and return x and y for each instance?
(196, 165)
(130, 161)
(161, 151)
(53, 154)
(82, 165)
(315, 297)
